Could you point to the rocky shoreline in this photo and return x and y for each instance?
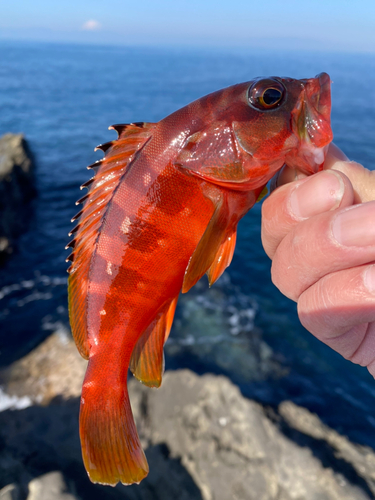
(17, 188)
(203, 440)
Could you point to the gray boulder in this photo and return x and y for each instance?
(51, 486)
(233, 449)
(16, 189)
(10, 492)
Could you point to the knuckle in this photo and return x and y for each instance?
(281, 279)
(269, 240)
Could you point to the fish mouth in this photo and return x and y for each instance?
(311, 125)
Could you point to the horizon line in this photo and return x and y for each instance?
(261, 44)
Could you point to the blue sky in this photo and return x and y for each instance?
(343, 25)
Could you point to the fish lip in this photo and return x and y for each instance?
(309, 159)
(311, 124)
(311, 118)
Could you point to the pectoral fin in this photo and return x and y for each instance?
(208, 250)
(225, 252)
(147, 360)
(222, 259)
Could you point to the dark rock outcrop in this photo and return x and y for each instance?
(203, 440)
(16, 189)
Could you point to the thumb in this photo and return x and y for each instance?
(362, 179)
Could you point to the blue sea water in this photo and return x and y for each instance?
(63, 98)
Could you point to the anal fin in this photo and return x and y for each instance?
(147, 360)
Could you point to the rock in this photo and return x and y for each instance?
(203, 439)
(50, 486)
(359, 460)
(52, 369)
(232, 449)
(10, 492)
(12, 473)
(16, 189)
(168, 479)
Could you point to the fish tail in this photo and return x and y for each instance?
(111, 448)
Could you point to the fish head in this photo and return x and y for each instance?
(285, 121)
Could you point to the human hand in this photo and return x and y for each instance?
(320, 234)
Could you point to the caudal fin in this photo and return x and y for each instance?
(110, 444)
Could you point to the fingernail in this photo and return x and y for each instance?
(370, 279)
(355, 226)
(319, 193)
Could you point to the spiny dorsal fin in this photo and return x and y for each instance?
(111, 169)
(105, 146)
(147, 361)
(120, 127)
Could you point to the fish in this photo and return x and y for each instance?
(161, 211)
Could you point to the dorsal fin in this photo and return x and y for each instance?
(147, 361)
(111, 169)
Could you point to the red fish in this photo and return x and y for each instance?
(161, 211)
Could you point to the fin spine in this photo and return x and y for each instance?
(87, 183)
(81, 200)
(105, 146)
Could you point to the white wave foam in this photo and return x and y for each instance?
(40, 280)
(13, 402)
(34, 296)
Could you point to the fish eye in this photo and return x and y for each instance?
(266, 94)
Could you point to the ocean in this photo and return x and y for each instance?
(63, 98)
